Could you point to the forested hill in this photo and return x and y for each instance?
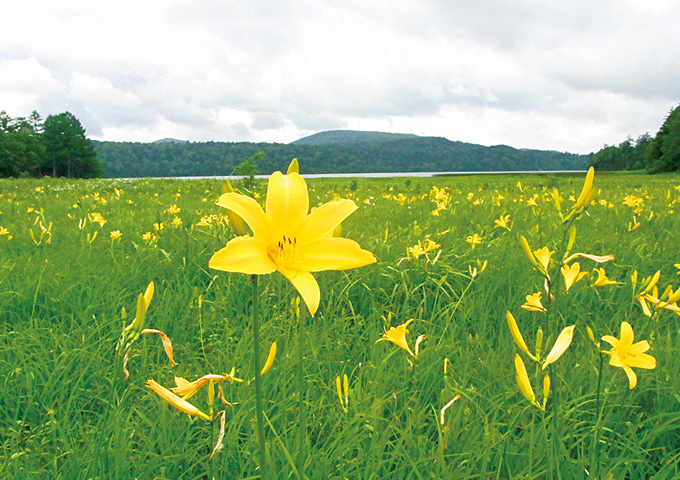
(328, 152)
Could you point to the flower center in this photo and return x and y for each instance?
(285, 253)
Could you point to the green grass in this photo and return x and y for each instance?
(67, 412)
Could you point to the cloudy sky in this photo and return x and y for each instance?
(568, 76)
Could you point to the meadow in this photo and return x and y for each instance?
(75, 256)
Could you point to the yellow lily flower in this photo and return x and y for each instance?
(503, 222)
(587, 193)
(627, 354)
(522, 378)
(517, 335)
(270, 359)
(546, 390)
(415, 251)
(342, 388)
(543, 256)
(561, 344)
(533, 303)
(288, 239)
(397, 335)
(572, 274)
(235, 221)
(143, 302)
(602, 279)
(187, 389)
(527, 251)
(177, 402)
(474, 240)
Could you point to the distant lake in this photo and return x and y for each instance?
(391, 174)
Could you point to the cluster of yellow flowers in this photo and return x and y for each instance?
(624, 354)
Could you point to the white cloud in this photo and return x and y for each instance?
(564, 76)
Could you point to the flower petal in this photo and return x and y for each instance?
(287, 201)
(639, 347)
(248, 209)
(243, 255)
(632, 378)
(332, 253)
(626, 335)
(306, 285)
(615, 360)
(642, 360)
(322, 220)
(561, 344)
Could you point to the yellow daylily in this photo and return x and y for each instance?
(503, 222)
(397, 335)
(270, 359)
(572, 274)
(177, 402)
(143, 302)
(587, 195)
(543, 256)
(602, 279)
(289, 239)
(342, 388)
(533, 303)
(235, 221)
(527, 251)
(517, 335)
(627, 354)
(561, 344)
(187, 389)
(523, 382)
(474, 240)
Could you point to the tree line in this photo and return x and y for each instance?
(56, 147)
(656, 155)
(127, 159)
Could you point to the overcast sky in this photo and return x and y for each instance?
(560, 75)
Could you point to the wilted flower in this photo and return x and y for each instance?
(177, 402)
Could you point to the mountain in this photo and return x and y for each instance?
(170, 140)
(350, 137)
(338, 151)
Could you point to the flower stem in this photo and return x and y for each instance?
(301, 391)
(258, 379)
(598, 411)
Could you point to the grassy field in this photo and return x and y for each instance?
(67, 411)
